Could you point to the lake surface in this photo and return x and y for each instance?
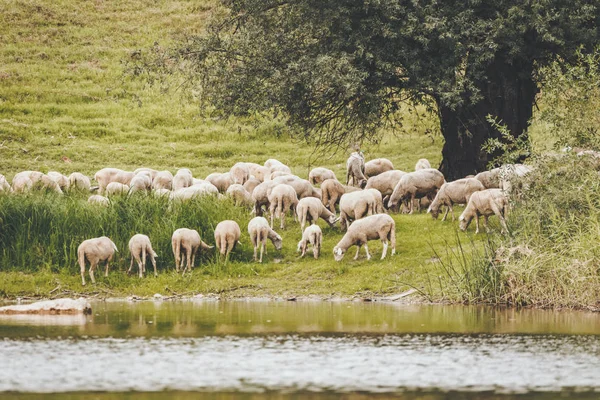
(296, 350)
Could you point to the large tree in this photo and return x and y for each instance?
(339, 69)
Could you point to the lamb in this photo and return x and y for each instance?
(485, 202)
(78, 181)
(139, 247)
(163, 180)
(354, 206)
(378, 166)
(182, 179)
(239, 173)
(281, 199)
(313, 236)
(221, 181)
(260, 195)
(61, 180)
(355, 170)
(251, 184)
(142, 182)
(332, 190)
(189, 242)
(4, 185)
(259, 231)
(95, 251)
(108, 175)
(457, 192)
(302, 187)
(317, 175)
(151, 172)
(311, 209)
(100, 200)
(116, 188)
(227, 235)
(423, 163)
(379, 226)
(418, 184)
(490, 179)
(240, 195)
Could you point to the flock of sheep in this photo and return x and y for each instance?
(372, 190)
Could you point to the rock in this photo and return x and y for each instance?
(52, 307)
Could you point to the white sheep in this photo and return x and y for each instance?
(310, 209)
(317, 175)
(221, 181)
(385, 182)
(302, 187)
(116, 188)
(151, 172)
(108, 175)
(47, 183)
(98, 199)
(4, 185)
(378, 207)
(259, 231)
(415, 185)
(331, 192)
(182, 179)
(485, 202)
(34, 176)
(423, 163)
(379, 226)
(239, 195)
(281, 199)
(260, 172)
(78, 181)
(355, 170)
(260, 195)
(239, 173)
(354, 206)
(163, 180)
(251, 184)
(456, 192)
(95, 251)
(61, 180)
(142, 182)
(227, 235)
(193, 191)
(275, 165)
(22, 184)
(139, 248)
(490, 179)
(313, 236)
(378, 166)
(189, 242)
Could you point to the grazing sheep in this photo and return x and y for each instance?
(251, 184)
(378, 207)
(331, 192)
(78, 181)
(95, 251)
(116, 188)
(240, 195)
(151, 172)
(313, 236)
(513, 173)
(490, 179)
(378, 166)
(355, 170)
(182, 179)
(227, 235)
(4, 185)
(415, 185)
(163, 180)
(310, 209)
(221, 181)
(281, 199)
(108, 175)
(61, 180)
(275, 165)
(271, 162)
(98, 199)
(142, 182)
(239, 173)
(260, 195)
(485, 202)
(302, 187)
(22, 184)
(354, 206)
(423, 163)
(258, 171)
(385, 182)
(318, 175)
(193, 191)
(189, 242)
(380, 226)
(277, 174)
(259, 230)
(46, 183)
(34, 176)
(457, 192)
(139, 247)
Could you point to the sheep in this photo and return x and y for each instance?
(60, 179)
(385, 182)
(4, 185)
(512, 173)
(457, 192)
(378, 166)
(48, 184)
(221, 181)
(355, 170)
(311, 209)
(418, 184)
(260, 195)
(423, 163)
(163, 180)
(108, 175)
(272, 162)
(193, 191)
(239, 173)
(189, 242)
(227, 235)
(259, 231)
(378, 206)
(332, 190)
(116, 188)
(258, 171)
(313, 236)
(490, 179)
(354, 206)
(251, 184)
(275, 165)
(277, 174)
(151, 172)
(379, 226)
(317, 175)
(240, 195)
(281, 199)
(302, 187)
(485, 202)
(142, 182)
(182, 179)
(34, 176)
(78, 181)
(22, 184)
(98, 199)
(95, 251)
(139, 247)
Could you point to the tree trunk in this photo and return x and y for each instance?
(508, 94)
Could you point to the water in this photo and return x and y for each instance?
(268, 349)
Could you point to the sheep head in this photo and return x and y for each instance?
(338, 253)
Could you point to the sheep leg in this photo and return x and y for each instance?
(317, 249)
(412, 203)
(230, 246)
(304, 247)
(451, 211)
(392, 237)
(142, 264)
(477, 224)
(385, 247)
(194, 252)
(153, 264)
(106, 267)
(485, 223)
(82, 268)
(357, 250)
(500, 214)
(284, 211)
(303, 221)
(93, 265)
(446, 214)
(272, 211)
(262, 248)
(367, 251)
(188, 258)
(130, 265)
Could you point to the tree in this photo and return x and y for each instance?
(339, 69)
